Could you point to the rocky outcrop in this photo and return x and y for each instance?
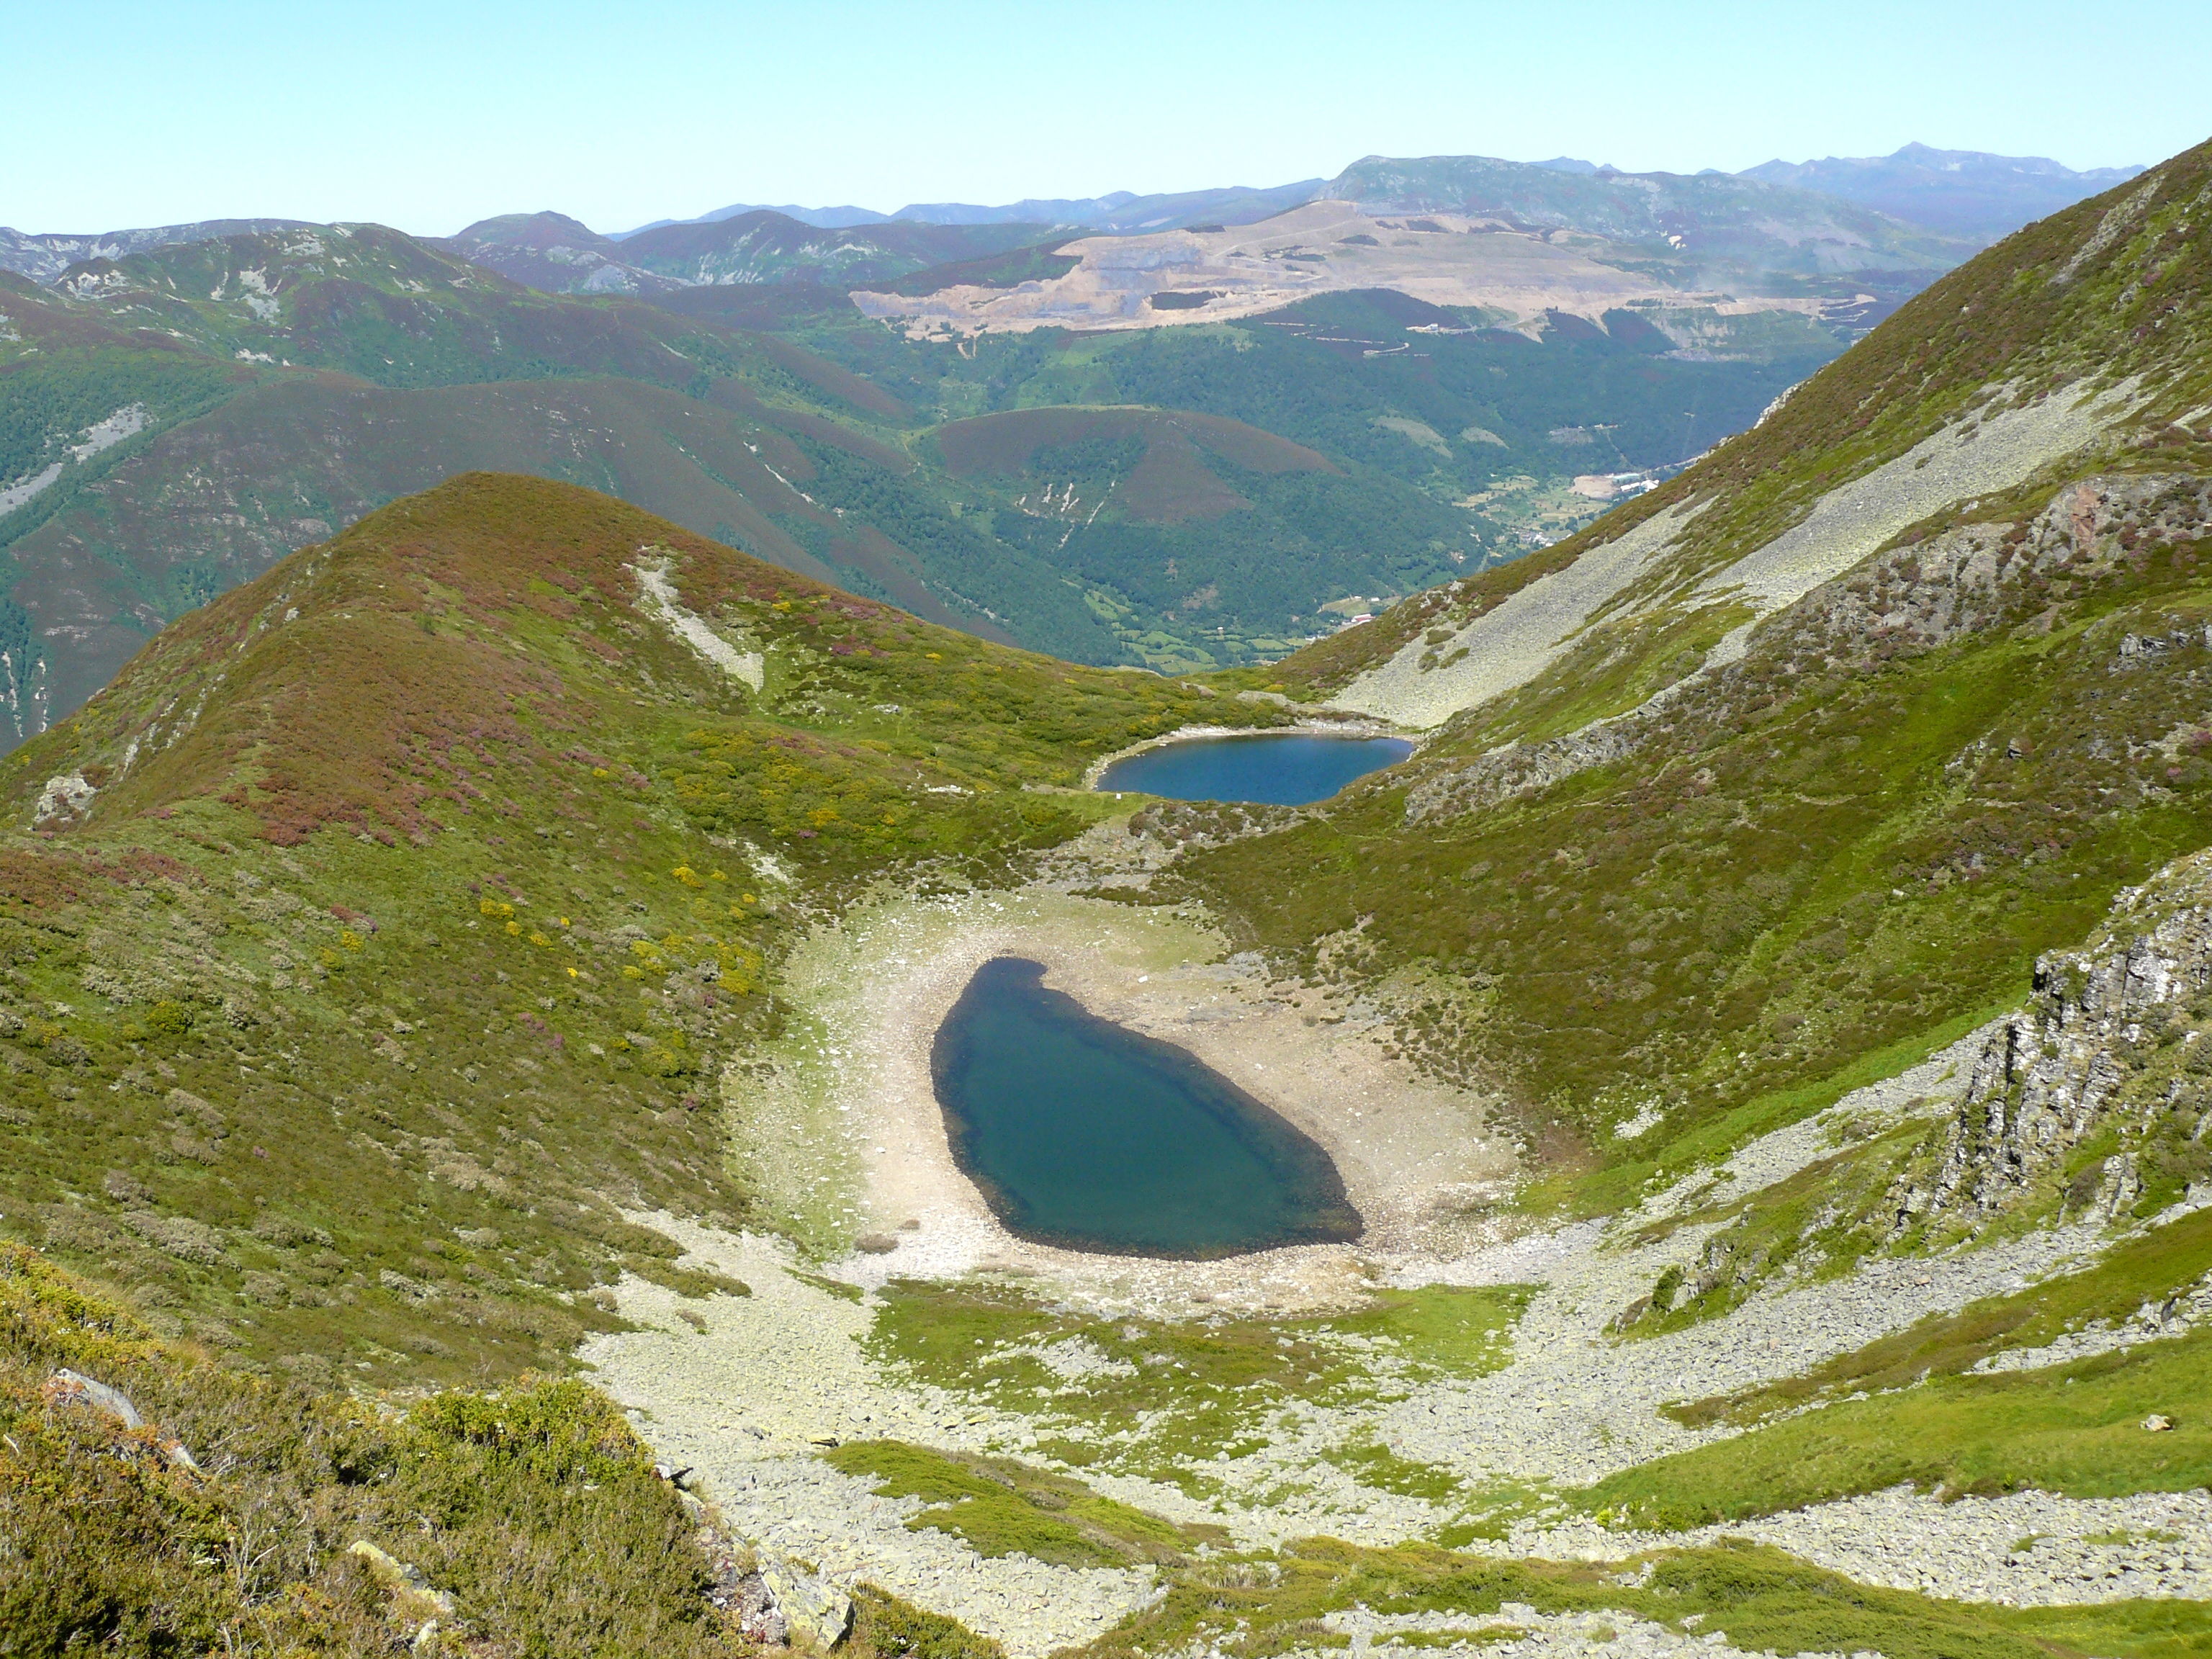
(1918, 596)
(815, 1610)
(2108, 1054)
(1521, 769)
(1926, 593)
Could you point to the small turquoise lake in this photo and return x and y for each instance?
(1085, 1134)
(1271, 768)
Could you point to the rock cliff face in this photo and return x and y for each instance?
(1925, 593)
(2094, 1095)
(1916, 596)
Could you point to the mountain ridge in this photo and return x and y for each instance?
(176, 421)
(1905, 171)
(1963, 192)
(1774, 1013)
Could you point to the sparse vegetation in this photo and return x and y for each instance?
(1159, 1397)
(1760, 1598)
(2074, 1429)
(1002, 1507)
(534, 1508)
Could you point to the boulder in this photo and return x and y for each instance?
(68, 1387)
(815, 1611)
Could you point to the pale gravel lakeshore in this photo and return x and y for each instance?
(1418, 1159)
(750, 1401)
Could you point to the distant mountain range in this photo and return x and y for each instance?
(1914, 214)
(1958, 192)
(181, 405)
(1965, 196)
(1961, 192)
(1711, 231)
(1121, 211)
(556, 254)
(174, 422)
(43, 256)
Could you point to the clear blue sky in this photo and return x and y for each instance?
(427, 116)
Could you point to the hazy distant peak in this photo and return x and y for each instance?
(1118, 210)
(823, 218)
(538, 230)
(1963, 192)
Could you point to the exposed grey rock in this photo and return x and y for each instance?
(814, 1609)
(1519, 769)
(413, 1596)
(2054, 1074)
(69, 1388)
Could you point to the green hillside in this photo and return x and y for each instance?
(396, 955)
(554, 253)
(764, 246)
(1712, 230)
(1491, 426)
(458, 857)
(1854, 837)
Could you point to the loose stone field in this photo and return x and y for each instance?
(1097, 1366)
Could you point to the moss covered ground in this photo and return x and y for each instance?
(1160, 1397)
(1760, 1598)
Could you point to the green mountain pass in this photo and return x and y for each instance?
(521, 801)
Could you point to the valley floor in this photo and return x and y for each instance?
(1417, 1437)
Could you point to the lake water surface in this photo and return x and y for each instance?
(1274, 768)
(1085, 1134)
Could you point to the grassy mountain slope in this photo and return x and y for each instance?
(1711, 222)
(1492, 424)
(396, 911)
(309, 1520)
(371, 302)
(555, 255)
(44, 255)
(1854, 836)
(1183, 517)
(214, 502)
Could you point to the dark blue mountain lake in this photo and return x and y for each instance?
(1273, 768)
(1083, 1134)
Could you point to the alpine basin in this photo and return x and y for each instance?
(1081, 1133)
